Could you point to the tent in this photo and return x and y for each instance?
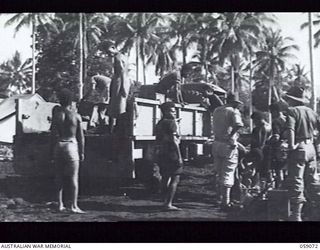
(8, 114)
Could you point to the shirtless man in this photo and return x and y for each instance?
(69, 147)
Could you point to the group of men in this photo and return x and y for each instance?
(68, 137)
(297, 125)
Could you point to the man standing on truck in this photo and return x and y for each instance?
(120, 83)
(172, 82)
(226, 123)
(68, 150)
(301, 124)
(169, 156)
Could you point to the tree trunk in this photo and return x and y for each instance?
(143, 62)
(85, 47)
(250, 94)
(33, 87)
(184, 52)
(144, 72)
(137, 59)
(80, 94)
(206, 70)
(232, 79)
(203, 57)
(271, 83)
(313, 96)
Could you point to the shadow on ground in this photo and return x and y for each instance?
(121, 200)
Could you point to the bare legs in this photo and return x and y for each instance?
(225, 192)
(112, 124)
(75, 188)
(72, 175)
(170, 185)
(59, 180)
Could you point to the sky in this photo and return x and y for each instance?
(289, 23)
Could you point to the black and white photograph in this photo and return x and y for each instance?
(159, 116)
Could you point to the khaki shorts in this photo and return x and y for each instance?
(225, 161)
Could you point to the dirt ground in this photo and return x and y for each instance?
(32, 201)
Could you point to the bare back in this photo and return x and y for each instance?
(66, 125)
(66, 122)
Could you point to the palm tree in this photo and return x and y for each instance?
(33, 19)
(81, 52)
(136, 29)
(239, 33)
(87, 30)
(16, 75)
(300, 76)
(273, 57)
(162, 55)
(311, 22)
(315, 22)
(205, 36)
(182, 27)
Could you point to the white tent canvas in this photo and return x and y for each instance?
(8, 114)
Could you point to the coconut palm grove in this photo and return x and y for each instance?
(159, 116)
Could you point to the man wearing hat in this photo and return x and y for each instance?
(226, 123)
(302, 167)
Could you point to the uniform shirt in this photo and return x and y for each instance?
(259, 136)
(224, 119)
(168, 81)
(165, 129)
(303, 121)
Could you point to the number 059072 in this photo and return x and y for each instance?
(308, 246)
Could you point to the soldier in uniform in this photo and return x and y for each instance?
(301, 124)
(226, 123)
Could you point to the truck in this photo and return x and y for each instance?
(32, 148)
(117, 155)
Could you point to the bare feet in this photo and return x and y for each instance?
(77, 210)
(61, 208)
(172, 208)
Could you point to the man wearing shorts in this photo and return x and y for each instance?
(226, 123)
(301, 124)
(69, 148)
(169, 157)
